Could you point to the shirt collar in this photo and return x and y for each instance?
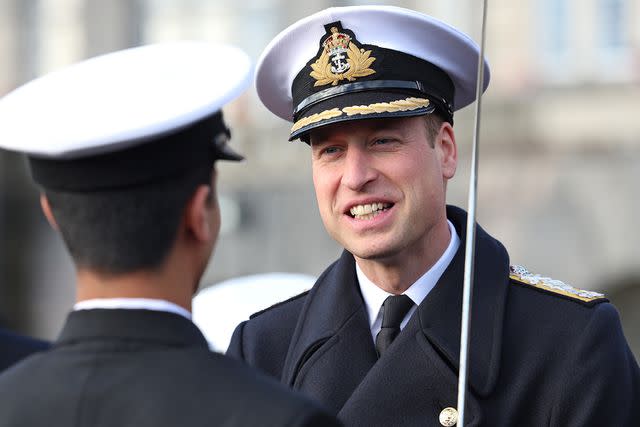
(132, 304)
(374, 296)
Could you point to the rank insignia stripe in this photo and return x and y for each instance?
(522, 276)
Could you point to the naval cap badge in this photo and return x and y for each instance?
(340, 57)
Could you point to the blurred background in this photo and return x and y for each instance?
(560, 142)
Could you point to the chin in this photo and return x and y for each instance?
(372, 252)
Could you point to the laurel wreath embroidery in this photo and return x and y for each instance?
(314, 118)
(407, 104)
(359, 60)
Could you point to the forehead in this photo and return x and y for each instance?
(361, 127)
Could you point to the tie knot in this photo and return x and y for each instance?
(394, 309)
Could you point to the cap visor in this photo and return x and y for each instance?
(226, 153)
(361, 106)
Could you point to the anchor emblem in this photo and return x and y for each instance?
(340, 65)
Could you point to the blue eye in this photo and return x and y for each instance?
(331, 150)
(321, 150)
(382, 141)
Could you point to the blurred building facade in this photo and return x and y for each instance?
(560, 142)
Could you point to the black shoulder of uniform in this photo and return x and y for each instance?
(278, 304)
(519, 275)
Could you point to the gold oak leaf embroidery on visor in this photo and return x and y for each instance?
(314, 118)
(407, 104)
(330, 67)
(388, 107)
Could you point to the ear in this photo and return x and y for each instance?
(197, 215)
(446, 142)
(46, 209)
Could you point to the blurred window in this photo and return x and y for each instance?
(585, 41)
(611, 25)
(556, 22)
(612, 53)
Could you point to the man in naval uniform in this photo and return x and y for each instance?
(372, 90)
(124, 147)
(14, 347)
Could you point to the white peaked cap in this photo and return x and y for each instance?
(121, 99)
(282, 71)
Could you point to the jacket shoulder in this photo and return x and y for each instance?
(520, 276)
(295, 300)
(263, 340)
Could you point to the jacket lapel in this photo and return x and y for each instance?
(332, 348)
(409, 385)
(440, 313)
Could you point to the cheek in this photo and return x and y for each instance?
(414, 169)
(322, 183)
(422, 179)
(325, 188)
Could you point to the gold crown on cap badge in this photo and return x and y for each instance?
(340, 58)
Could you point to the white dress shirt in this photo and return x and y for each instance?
(132, 304)
(374, 296)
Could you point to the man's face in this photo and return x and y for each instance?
(380, 185)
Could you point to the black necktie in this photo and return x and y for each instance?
(394, 309)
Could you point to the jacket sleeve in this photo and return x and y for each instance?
(235, 348)
(602, 382)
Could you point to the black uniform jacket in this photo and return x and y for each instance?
(14, 347)
(143, 368)
(537, 358)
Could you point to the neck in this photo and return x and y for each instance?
(397, 273)
(152, 284)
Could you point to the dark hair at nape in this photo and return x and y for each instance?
(124, 230)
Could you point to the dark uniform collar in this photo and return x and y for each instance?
(133, 325)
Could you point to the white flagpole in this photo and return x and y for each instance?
(471, 234)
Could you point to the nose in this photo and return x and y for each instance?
(358, 170)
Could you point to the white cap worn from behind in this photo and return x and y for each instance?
(157, 107)
(121, 99)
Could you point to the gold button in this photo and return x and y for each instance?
(449, 417)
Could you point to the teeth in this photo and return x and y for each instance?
(368, 211)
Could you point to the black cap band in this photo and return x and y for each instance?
(154, 160)
(351, 88)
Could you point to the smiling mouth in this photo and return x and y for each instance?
(369, 211)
